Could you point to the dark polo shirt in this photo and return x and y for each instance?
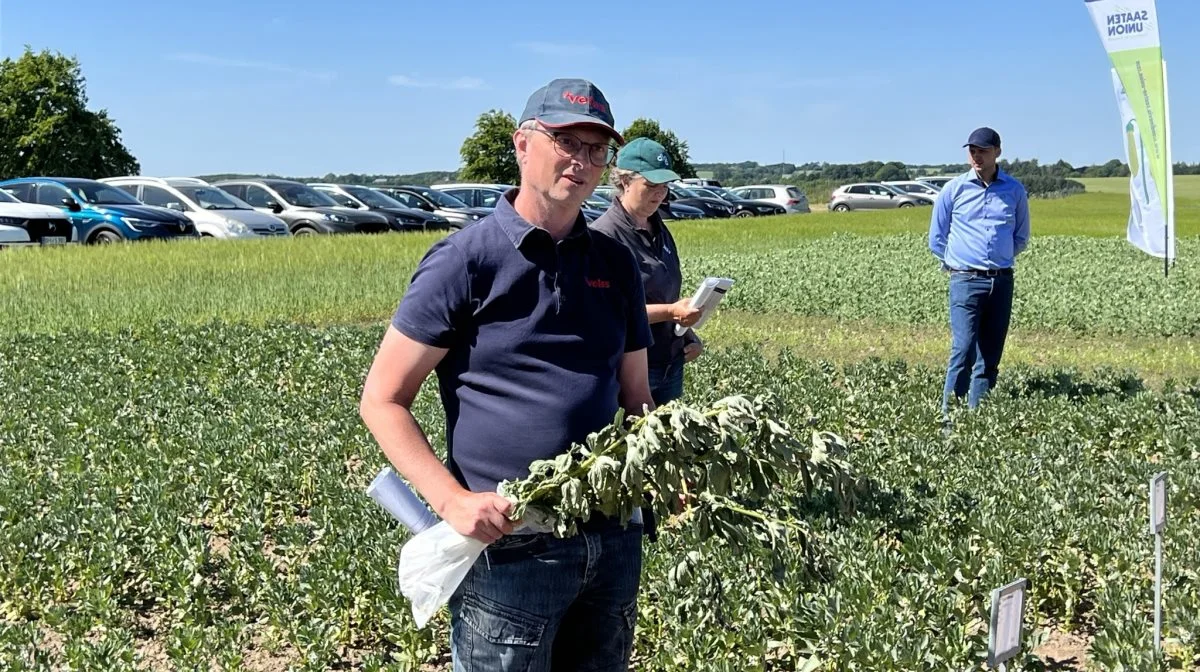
(535, 329)
(658, 263)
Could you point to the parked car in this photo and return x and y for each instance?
(101, 213)
(605, 191)
(873, 196)
(399, 216)
(667, 210)
(938, 181)
(475, 194)
(712, 207)
(742, 207)
(700, 182)
(459, 214)
(26, 224)
(598, 202)
(306, 210)
(915, 187)
(791, 197)
(486, 196)
(215, 213)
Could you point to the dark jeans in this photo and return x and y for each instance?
(666, 380)
(980, 310)
(536, 603)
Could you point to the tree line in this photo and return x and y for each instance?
(46, 128)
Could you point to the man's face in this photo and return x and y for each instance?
(983, 159)
(548, 169)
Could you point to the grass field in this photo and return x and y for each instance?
(182, 466)
(1187, 187)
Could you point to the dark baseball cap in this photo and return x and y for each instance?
(570, 102)
(983, 137)
(648, 159)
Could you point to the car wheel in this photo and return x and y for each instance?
(105, 237)
(743, 213)
(906, 205)
(305, 231)
(841, 207)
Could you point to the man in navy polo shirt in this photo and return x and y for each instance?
(980, 223)
(536, 327)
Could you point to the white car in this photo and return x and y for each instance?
(915, 187)
(215, 213)
(26, 224)
(937, 181)
(791, 197)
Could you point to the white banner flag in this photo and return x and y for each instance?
(1129, 31)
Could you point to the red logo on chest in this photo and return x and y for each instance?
(598, 284)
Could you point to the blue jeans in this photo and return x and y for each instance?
(666, 380)
(980, 310)
(536, 603)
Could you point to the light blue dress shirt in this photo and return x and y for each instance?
(977, 226)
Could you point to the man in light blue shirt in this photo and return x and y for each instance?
(980, 223)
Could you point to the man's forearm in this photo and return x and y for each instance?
(405, 445)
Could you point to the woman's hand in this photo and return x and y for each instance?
(683, 312)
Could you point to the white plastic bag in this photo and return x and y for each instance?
(436, 560)
(431, 566)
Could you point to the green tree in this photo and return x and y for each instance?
(488, 155)
(45, 126)
(678, 149)
(892, 170)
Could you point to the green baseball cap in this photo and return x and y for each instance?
(648, 159)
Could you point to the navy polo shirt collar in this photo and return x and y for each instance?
(518, 230)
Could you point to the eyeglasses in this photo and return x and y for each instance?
(599, 153)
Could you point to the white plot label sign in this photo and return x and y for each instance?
(1008, 610)
(1158, 503)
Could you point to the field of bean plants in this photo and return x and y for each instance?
(182, 465)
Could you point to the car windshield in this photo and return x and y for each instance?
(211, 198)
(5, 197)
(724, 193)
(101, 194)
(683, 192)
(373, 198)
(304, 196)
(444, 200)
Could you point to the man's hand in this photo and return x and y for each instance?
(683, 312)
(692, 350)
(479, 515)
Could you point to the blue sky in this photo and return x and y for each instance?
(305, 88)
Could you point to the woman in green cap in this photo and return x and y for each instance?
(640, 175)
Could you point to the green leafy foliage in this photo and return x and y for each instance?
(895, 280)
(488, 155)
(45, 126)
(675, 146)
(195, 494)
(714, 466)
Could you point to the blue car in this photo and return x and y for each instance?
(101, 213)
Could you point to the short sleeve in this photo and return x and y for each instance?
(637, 322)
(438, 298)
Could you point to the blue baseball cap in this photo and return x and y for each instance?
(571, 102)
(648, 159)
(983, 137)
